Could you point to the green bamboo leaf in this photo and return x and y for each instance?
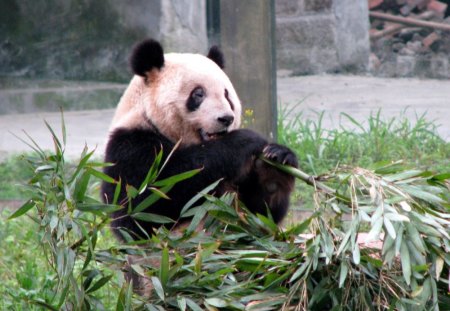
(151, 199)
(100, 283)
(441, 177)
(58, 146)
(423, 195)
(152, 173)
(82, 164)
(216, 302)
(389, 228)
(375, 231)
(195, 222)
(176, 178)
(356, 254)
(117, 192)
(269, 223)
(124, 298)
(396, 217)
(344, 242)
(193, 305)
(164, 267)
(158, 287)
(343, 273)
(155, 218)
(101, 175)
(198, 196)
(415, 238)
(403, 175)
(23, 209)
(406, 263)
(97, 207)
(300, 228)
(43, 304)
(181, 301)
(299, 272)
(81, 187)
(160, 192)
(439, 266)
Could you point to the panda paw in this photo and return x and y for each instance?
(280, 154)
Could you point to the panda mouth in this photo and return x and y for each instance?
(205, 136)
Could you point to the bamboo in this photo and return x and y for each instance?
(409, 21)
(397, 27)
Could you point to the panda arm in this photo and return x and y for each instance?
(234, 157)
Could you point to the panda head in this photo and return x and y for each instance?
(184, 96)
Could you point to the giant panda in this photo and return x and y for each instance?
(188, 98)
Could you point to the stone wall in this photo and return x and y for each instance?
(316, 36)
(90, 39)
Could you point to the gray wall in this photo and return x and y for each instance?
(316, 36)
(91, 39)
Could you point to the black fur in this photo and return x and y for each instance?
(195, 98)
(216, 55)
(147, 55)
(232, 157)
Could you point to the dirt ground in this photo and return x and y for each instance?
(358, 96)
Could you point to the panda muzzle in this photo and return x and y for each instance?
(205, 136)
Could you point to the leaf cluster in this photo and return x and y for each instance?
(377, 239)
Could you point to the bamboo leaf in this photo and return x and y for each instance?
(101, 175)
(198, 196)
(389, 228)
(426, 196)
(343, 274)
(216, 302)
(194, 306)
(375, 231)
(406, 263)
(100, 283)
(158, 287)
(155, 218)
(165, 267)
(356, 254)
(439, 266)
(23, 209)
(176, 178)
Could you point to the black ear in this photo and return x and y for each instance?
(216, 55)
(146, 55)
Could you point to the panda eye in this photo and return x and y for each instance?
(196, 98)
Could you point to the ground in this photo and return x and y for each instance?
(357, 96)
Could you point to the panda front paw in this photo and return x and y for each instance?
(280, 154)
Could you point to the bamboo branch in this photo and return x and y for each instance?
(409, 21)
(397, 27)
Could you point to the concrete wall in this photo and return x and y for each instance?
(316, 36)
(91, 39)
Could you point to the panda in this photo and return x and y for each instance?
(188, 98)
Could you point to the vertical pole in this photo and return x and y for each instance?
(247, 34)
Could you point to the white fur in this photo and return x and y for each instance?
(162, 97)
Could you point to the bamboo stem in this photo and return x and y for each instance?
(409, 21)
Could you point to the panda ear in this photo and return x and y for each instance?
(216, 55)
(147, 55)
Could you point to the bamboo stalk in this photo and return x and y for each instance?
(397, 27)
(409, 21)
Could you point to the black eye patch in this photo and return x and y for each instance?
(196, 98)
(228, 99)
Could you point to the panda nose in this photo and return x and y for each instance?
(226, 120)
